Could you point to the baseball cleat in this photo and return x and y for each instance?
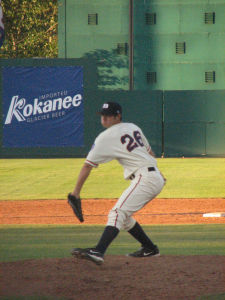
(145, 252)
(76, 251)
(91, 254)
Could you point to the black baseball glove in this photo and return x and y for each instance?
(75, 203)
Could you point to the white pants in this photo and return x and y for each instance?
(143, 188)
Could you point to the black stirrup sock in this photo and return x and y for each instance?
(109, 234)
(138, 233)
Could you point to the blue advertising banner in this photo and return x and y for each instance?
(43, 106)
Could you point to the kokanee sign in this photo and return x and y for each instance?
(21, 111)
(43, 106)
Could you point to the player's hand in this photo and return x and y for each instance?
(75, 194)
(75, 203)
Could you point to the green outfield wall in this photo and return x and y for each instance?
(177, 123)
(163, 60)
(181, 42)
(194, 123)
(147, 44)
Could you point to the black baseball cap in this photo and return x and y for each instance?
(110, 109)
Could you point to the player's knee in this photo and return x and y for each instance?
(129, 223)
(117, 218)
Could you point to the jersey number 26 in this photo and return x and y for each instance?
(132, 142)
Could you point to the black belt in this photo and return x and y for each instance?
(150, 169)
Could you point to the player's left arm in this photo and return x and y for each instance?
(83, 175)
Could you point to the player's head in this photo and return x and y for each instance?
(111, 113)
(111, 109)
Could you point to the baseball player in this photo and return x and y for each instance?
(126, 143)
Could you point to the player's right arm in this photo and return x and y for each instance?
(101, 151)
(84, 173)
(97, 155)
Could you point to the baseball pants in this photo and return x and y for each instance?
(143, 188)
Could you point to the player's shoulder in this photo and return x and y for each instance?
(120, 127)
(104, 134)
(116, 129)
(129, 125)
(101, 135)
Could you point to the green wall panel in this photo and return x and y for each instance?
(215, 138)
(184, 139)
(194, 123)
(178, 76)
(194, 106)
(179, 21)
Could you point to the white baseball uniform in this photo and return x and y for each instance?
(126, 143)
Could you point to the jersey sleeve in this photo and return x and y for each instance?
(100, 152)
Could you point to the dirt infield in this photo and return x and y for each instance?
(120, 277)
(158, 211)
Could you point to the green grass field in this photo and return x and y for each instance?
(209, 297)
(24, 179)
(19, 242)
